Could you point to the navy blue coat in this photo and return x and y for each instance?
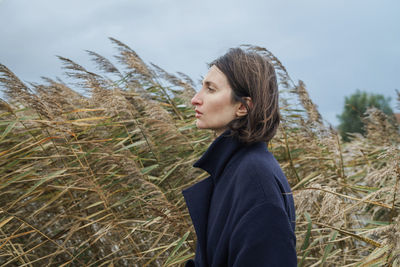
(243, 214)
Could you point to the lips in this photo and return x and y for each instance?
(198, 113)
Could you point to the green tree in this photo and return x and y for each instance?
(354, 108)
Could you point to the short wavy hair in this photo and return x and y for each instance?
(252, 75)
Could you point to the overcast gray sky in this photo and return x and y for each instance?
(335, 47)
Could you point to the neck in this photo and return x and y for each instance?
(218, 132)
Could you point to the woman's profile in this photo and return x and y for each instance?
(243, 214)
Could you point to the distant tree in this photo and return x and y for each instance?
(354, 109)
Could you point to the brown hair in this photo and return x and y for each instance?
(252, 75)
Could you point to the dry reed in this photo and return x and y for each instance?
(96, 179)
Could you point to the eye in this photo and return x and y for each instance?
(210, 89)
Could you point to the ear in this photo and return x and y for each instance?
(242, 111)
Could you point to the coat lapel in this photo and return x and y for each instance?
(198, 199)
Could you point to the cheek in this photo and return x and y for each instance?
(226, 107)
(220, 103)
(224, 111)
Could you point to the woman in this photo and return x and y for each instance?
(243, 213)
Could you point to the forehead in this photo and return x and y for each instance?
(217, 77)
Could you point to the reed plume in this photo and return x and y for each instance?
(95, 178)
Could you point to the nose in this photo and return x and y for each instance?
(196, 100)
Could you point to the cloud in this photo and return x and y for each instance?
(334, 47)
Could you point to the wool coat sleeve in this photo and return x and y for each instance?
(263, 237)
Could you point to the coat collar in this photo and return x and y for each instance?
(218, 154)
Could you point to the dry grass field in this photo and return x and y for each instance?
(95, 178)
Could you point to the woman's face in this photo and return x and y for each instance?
(214, 107)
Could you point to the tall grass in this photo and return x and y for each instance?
(95, 178)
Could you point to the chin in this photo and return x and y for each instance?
(200, 124)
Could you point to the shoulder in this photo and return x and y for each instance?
(257, 160)
(257, 163)
(255, 170)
